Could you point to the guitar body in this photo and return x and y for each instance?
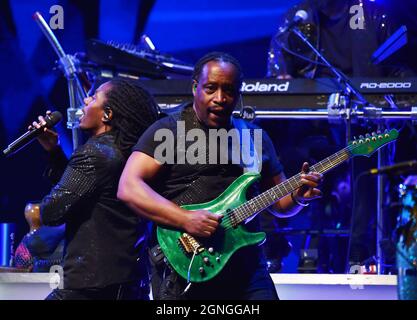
(213, 253)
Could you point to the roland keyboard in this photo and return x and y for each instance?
(295, 94)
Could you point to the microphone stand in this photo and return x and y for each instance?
(349, 112)
(76, 91)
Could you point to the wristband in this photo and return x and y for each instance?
(298, 202)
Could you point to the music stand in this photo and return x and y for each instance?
(75, 90)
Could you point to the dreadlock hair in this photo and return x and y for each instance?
(219, 57)
(134, 110)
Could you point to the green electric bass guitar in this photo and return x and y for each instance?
(201, 259)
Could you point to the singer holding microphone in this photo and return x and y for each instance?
(101, 251)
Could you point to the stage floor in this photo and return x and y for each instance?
(335, 286)
(36, 286)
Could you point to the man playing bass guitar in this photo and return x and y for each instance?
(156, 184)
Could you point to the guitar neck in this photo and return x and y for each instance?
(269, 197)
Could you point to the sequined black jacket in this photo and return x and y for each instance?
(101, 232)
(377, 28)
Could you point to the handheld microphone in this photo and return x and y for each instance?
(51, 120)
(299, 17)
(398, 167)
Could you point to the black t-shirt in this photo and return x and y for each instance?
(198, 183)
(206, 180)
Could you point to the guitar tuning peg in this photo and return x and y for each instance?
(374, 133)
(386, 131)
(378, 132)
(361, 137)
(367, 135)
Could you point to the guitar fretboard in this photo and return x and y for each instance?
(269, 197)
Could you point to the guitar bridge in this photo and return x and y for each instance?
(189, 244)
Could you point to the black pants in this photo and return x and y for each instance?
(130, 291)
(245, 277)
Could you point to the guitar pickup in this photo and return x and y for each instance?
(189, 244)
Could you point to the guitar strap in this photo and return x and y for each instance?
(251, 149)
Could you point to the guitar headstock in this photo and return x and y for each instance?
(368, 144)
